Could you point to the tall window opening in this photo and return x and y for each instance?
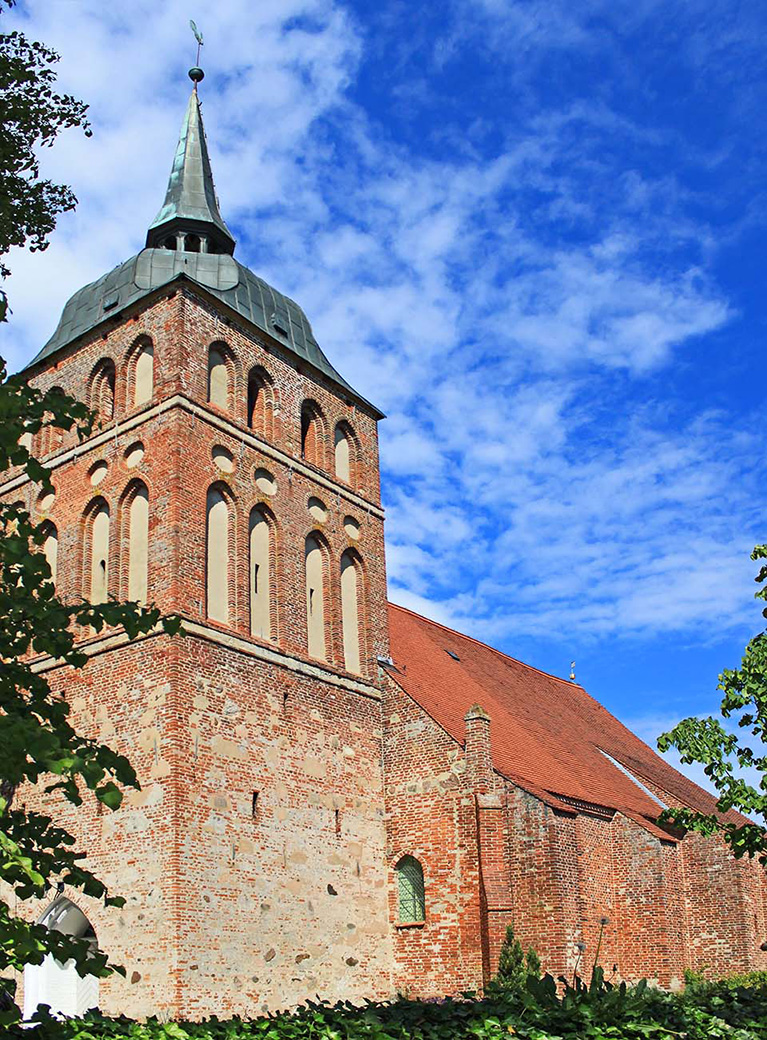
(141, 372)
(56, 984)
(138, 543)
(411, 894)
(350, 610)
(102, 396)
(50, 437)
(346, 453)
(261, 402)
(218, 556)
(51, 549)
(315, 598)
(99, 553)
(220, 382)
(312, 433)
(261, 577)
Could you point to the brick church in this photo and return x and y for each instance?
(339, 797)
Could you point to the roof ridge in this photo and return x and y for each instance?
(437, 624)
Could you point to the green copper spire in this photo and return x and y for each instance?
(190, 217)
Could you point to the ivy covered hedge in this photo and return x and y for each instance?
(735, 1009)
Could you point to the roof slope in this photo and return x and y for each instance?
(547, 734)
(233, 284)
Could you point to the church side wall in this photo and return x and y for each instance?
(644, 905)
(431, 815)
(571, 873)
(545, 904)
(724, 904)
(724, 909)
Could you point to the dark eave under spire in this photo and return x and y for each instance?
(191, 206)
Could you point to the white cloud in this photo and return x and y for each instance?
(506, 307)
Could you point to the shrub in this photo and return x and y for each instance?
(514, 965)
(540, 1011)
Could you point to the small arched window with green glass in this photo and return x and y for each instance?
(411, 896)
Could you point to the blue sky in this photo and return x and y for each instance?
(533, 234)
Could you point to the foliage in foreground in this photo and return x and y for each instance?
(725, 755)
(707, 1011)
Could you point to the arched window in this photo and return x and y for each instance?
(219, 556)
(141, 372)
(346, 453)
(50, 437)
(261, 402)
(98, 591)
(51, 548)
(220, 376)
(315, 598)
(351, 587)
(102, 395)
(411, 895)
(261, 573)
(136, 503)
(59, 985)
(312, 433)
(192, 243)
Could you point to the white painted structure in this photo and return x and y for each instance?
(59, 985)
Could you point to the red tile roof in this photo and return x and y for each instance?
(547, 734)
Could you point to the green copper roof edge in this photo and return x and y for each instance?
(41, 358)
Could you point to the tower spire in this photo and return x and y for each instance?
(190, 218)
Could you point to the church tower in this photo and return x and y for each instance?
(234, 480)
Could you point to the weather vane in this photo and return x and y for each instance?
(197, 36)
(196, 74)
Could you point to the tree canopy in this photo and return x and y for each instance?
(725, 752)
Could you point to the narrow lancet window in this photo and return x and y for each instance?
(51, 550)
(315, 599)
(143, 373)
(99, 583)
(350, 608)
(103, 390)
(218, 378)
(343, 452)
(218, 557)
(261, 402)
(138, 560)
(260, 576)
(312, 434)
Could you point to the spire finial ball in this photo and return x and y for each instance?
(196, 75)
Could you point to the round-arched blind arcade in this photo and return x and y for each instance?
(411, 895)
